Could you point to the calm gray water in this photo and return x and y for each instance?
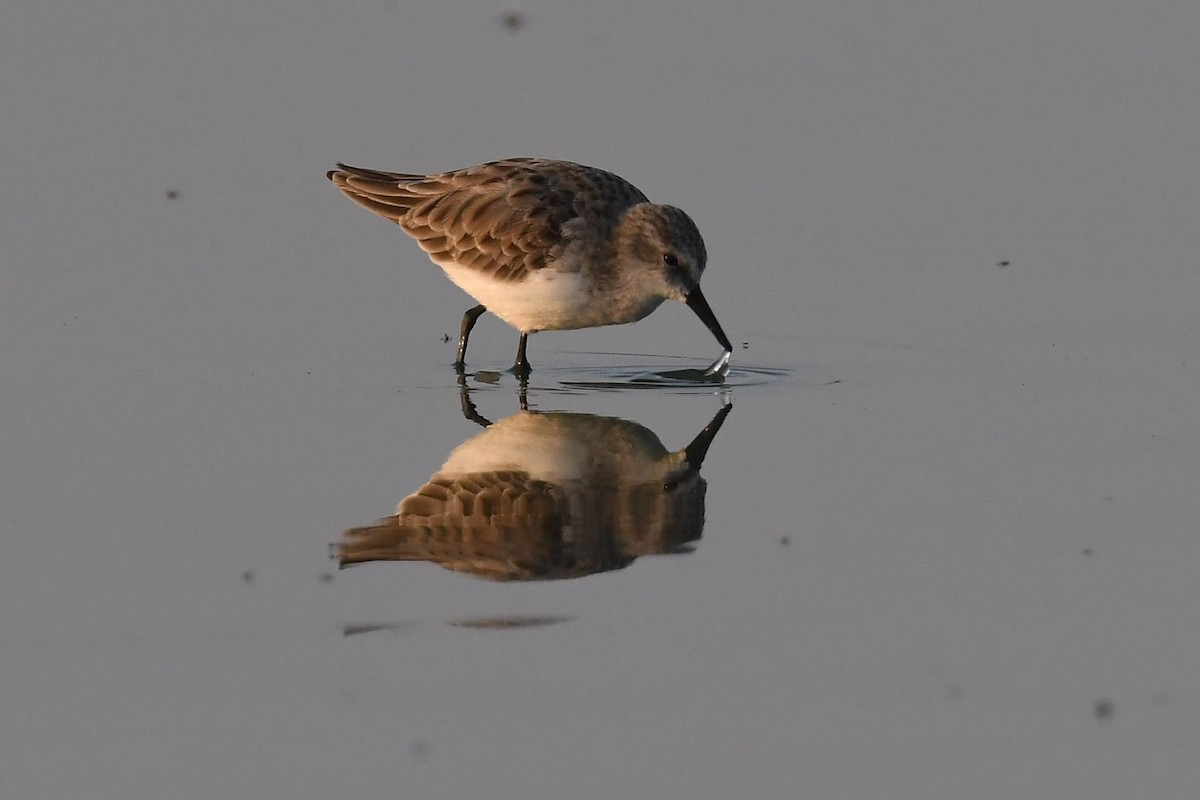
(942, 541)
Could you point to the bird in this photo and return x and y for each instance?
(547, 495)
(543, 244)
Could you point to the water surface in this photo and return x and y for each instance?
(942, 546)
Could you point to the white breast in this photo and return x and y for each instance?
(548, 300)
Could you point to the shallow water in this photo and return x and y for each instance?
(941, 545)
(582, 372)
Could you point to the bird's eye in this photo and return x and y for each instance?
(670, 260)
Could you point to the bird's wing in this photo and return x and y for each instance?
(505, 218)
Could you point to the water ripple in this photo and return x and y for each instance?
(638, 377)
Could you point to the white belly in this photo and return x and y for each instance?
(549, 300)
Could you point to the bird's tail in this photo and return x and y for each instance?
(388, 194)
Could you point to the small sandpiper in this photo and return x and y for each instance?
(544, 245)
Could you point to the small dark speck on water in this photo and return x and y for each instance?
(1104, 710)
(248, 576)
(1003, 263)
(445, 338)
(785, 541)
(745, 345)
(326, 577)
(172, 194)
(1087, 551)
(512, 19)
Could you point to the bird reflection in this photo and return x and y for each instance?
(545, 496)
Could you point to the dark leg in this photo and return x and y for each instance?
(464, 333)
(468, 405)
(522, 368)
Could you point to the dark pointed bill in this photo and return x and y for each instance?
(699, 446)
(696, 302)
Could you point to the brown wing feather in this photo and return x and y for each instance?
(502, 525)
(505, 217)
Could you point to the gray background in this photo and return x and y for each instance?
(987, 474)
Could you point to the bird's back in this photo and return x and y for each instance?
(505, 218)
